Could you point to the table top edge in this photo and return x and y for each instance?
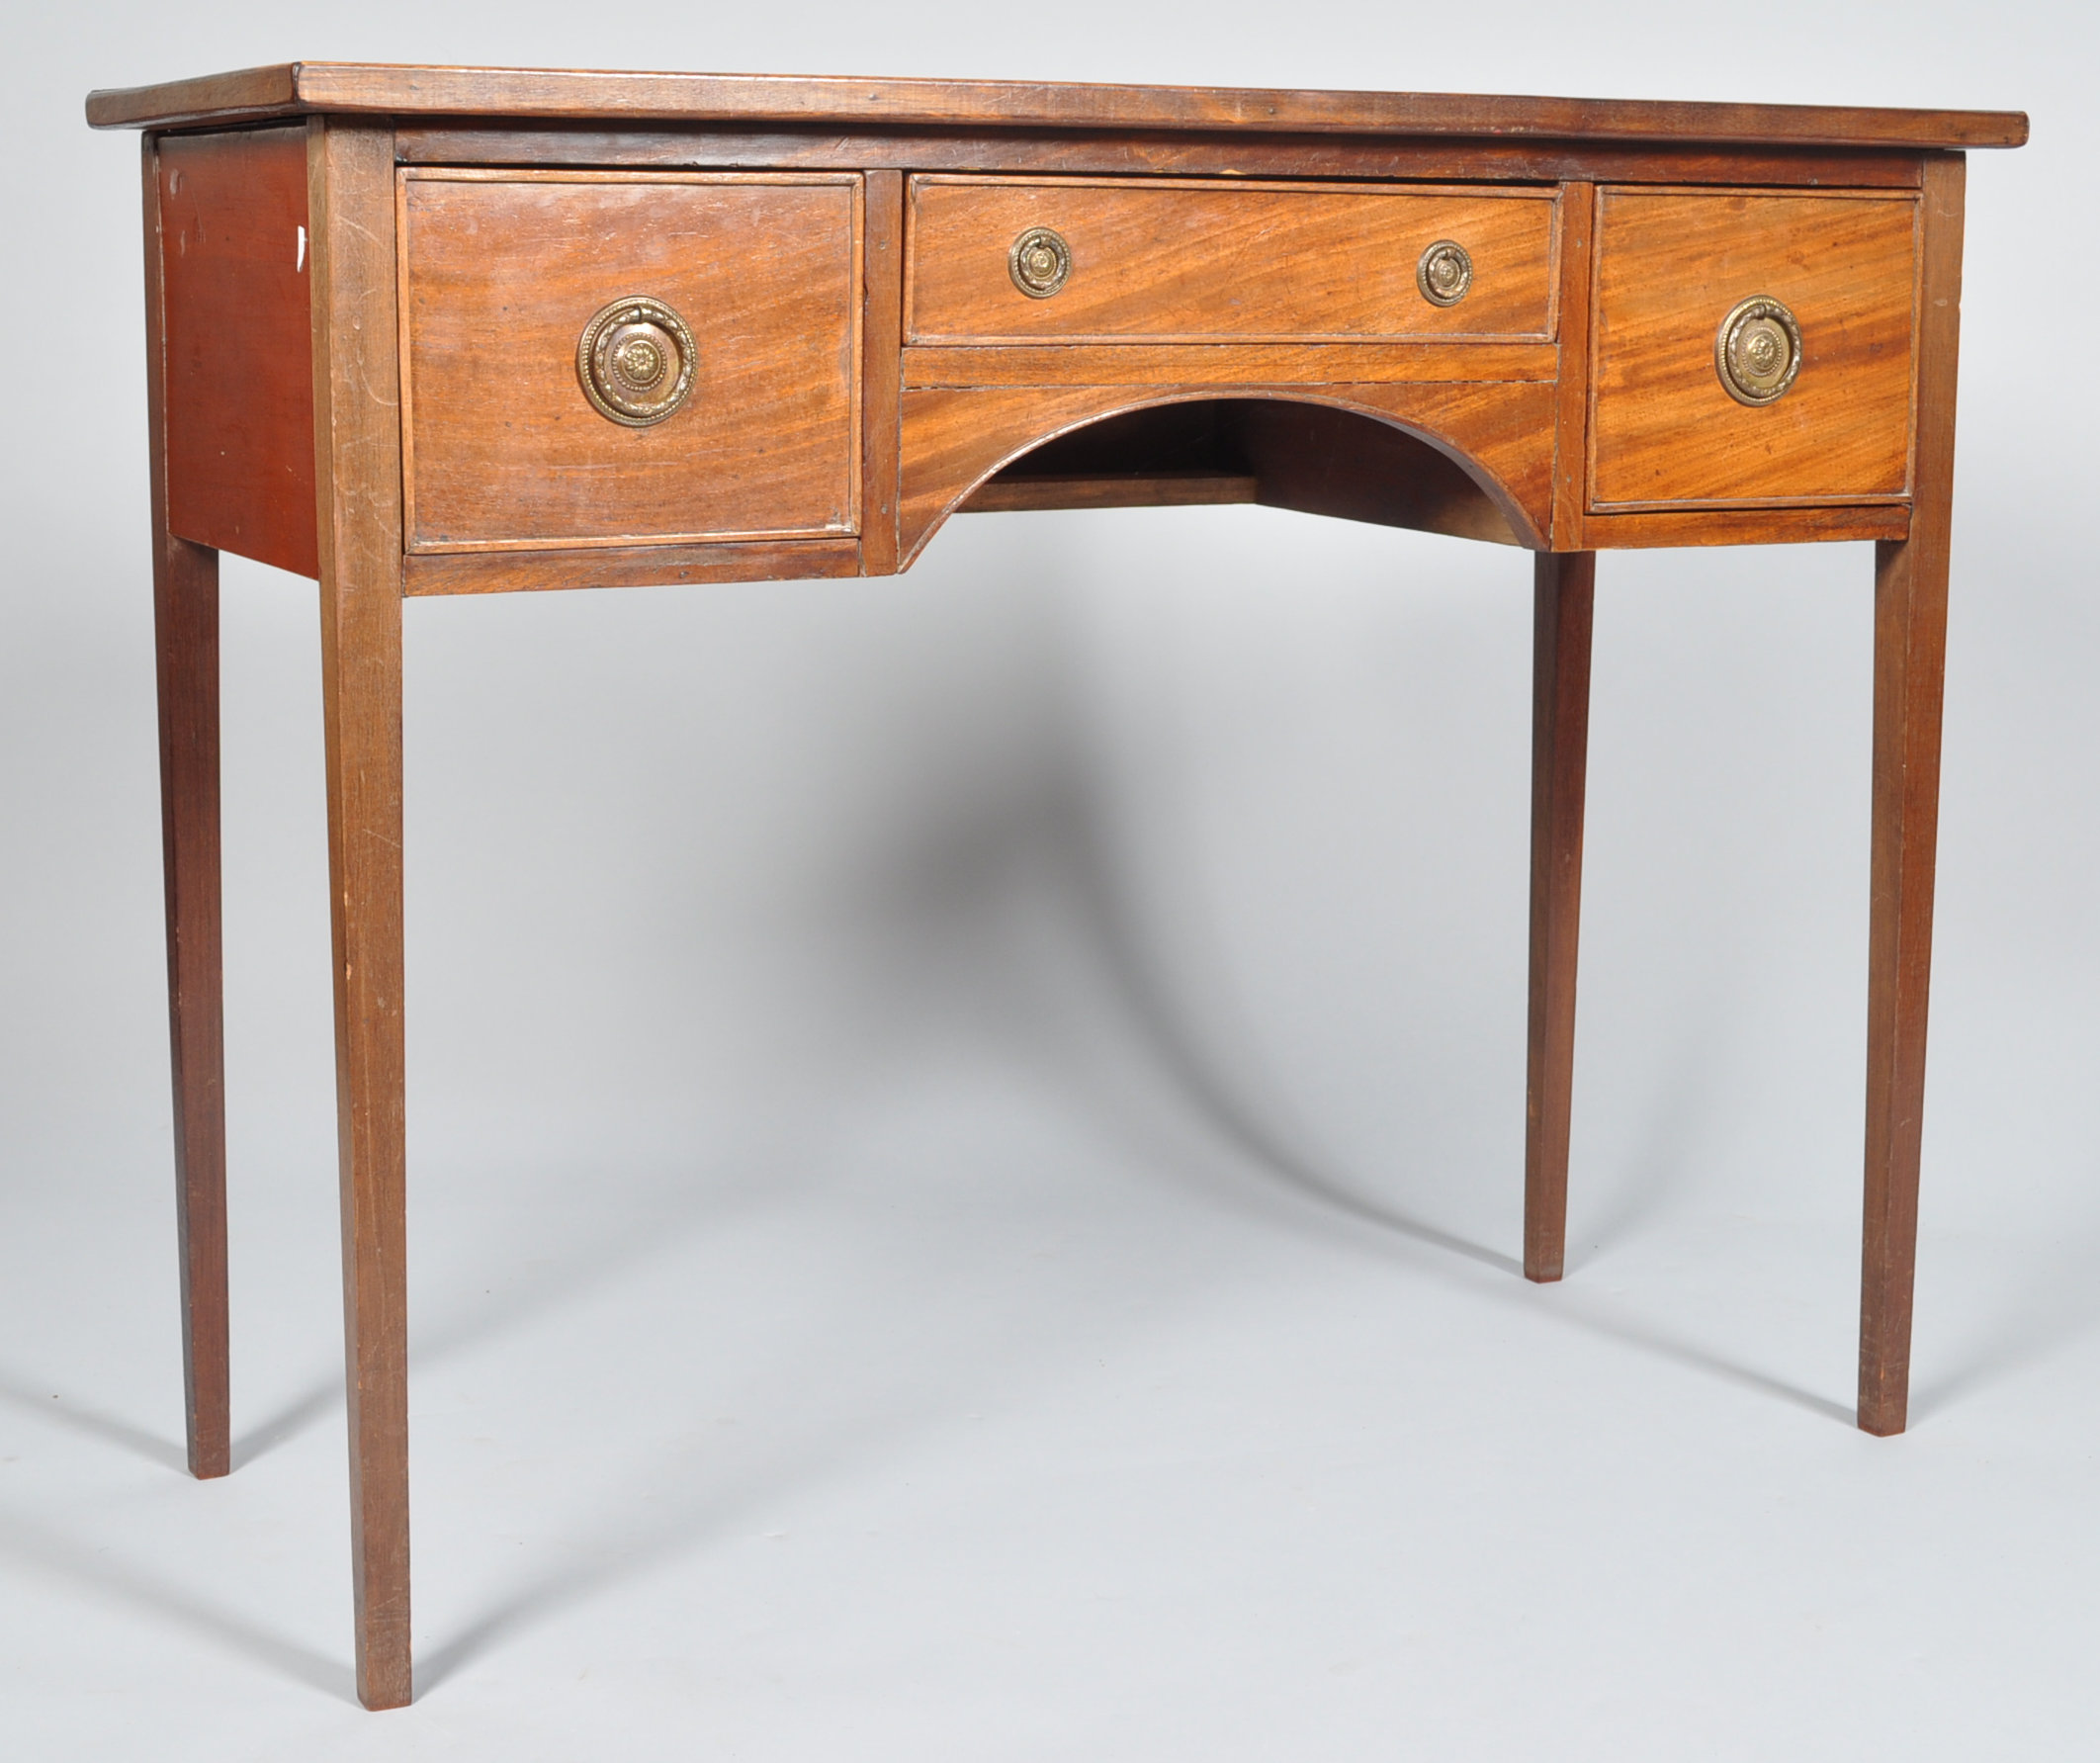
(303, 88)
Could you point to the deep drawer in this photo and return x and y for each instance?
(504, 447)
(1671, 267)
(1162, 261)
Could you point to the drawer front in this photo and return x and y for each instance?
(502, 273)
(1665, 430)
(1167, 262)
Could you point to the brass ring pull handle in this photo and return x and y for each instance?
(1758, 351)
(1443, 273)
(636, 360)
(1039, 262)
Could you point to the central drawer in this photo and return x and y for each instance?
(1180, 261)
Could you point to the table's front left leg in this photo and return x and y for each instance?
(358, 456)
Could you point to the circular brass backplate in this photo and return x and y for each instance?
(1758, 350)
(1039, 262)
(637, 359)
(1443, 273)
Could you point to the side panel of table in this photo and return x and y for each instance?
(236, 263)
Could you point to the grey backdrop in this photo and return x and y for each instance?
(966, 1131)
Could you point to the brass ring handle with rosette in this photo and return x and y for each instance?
(1443, 273)
(1758, 350)
(636, 360)
(1039, 262)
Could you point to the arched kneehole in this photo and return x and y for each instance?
(1286, 455)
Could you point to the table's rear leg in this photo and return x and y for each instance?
(350, 197)
(186, 668)
(185, 641)
(1563, 593)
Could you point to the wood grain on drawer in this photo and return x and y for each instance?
(1179, 261)
(501, 272)
(1671, 265)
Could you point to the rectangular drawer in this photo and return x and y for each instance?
(1666, 432)
(1184, 262)
(501, 271)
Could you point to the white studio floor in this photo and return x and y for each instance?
(951, 1455)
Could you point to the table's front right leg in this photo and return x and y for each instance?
(1909, 674)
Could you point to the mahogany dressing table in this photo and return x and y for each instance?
(427, 330)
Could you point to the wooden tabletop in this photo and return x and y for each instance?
(298, 88)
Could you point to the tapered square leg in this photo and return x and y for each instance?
(1909, 668)
(350, 197)
(186, 668)
(1910, 636)
(1563, 597)
(186, 641)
